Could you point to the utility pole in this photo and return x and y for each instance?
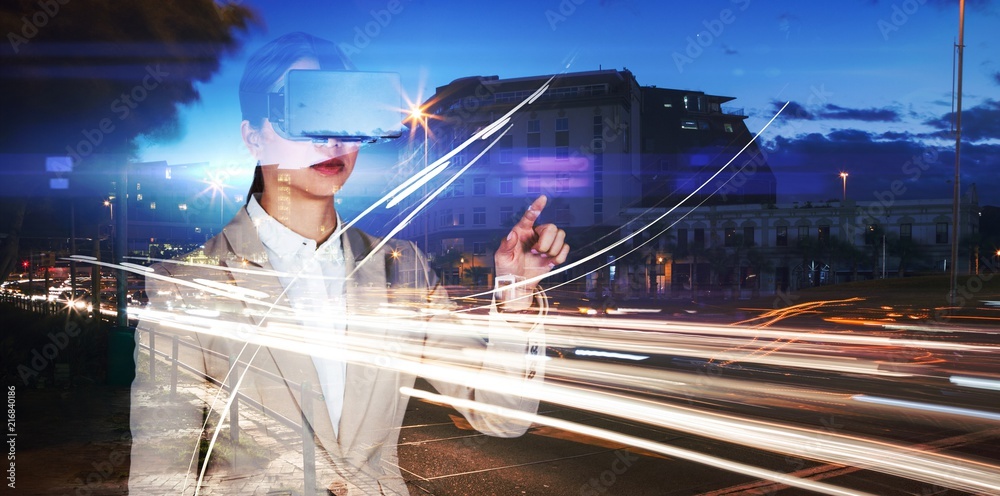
(958, 154)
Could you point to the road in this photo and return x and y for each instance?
(817, 398)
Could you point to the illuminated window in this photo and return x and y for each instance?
(167, 173)
(152, 205)
(728, 127)
(182, 206)
(562, 183)
(533, 185)
(689, 124)
(138, 197)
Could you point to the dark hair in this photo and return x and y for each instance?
(266, 66)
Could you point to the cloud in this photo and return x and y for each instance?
(794, 111)
(831, 111)
(981, 122)
(996, 77)
(807, 166)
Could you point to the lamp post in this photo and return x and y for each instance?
(461, 270)
(418, 115)
(843, 175)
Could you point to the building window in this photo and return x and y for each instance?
(682, 240)
(182, 206)
(138, 197)
(748, 236)
(445, 217)
(533, 185)
(689, 124)
(562, 183)
(941, 233)
(506, 185)
(906, 232)
(562, 138)
(823, 235)
(478, 247)
(506, 216)
(598, 210)
(803, 232)
(534, 140)
(699, 238)
(730, 237)
(479, 186)
(152, 205)
(728, 127)
(479, 216)
(460, 219)
(457, 188)
(506, 146)
(781, 236)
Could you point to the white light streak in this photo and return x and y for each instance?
(975, 382)
(951, 410)
(634, 441)
(609, 354)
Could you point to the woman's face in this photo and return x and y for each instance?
(304, 167)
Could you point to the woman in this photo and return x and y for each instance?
(287, 267)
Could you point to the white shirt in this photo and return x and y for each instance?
(313, 279)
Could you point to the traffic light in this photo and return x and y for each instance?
(25, 264)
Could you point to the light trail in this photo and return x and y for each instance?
(635, 441)
(771, 436)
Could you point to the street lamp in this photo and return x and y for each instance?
(843, 175)
(108, 203)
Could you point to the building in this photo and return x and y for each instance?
(577, 144)
(596, 143)
(747, 249)
(687, 136)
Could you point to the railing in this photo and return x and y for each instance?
(172, 359)
(741, 111)
(27, 303)
(306, 393)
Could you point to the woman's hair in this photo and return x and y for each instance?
(266, 67)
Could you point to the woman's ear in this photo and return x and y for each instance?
(251, 138)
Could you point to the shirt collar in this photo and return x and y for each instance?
(283, 242)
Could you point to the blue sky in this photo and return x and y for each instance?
(870, 81)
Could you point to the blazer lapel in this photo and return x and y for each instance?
(368, 406)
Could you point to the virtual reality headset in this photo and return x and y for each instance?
(319, 105)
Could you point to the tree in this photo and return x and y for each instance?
(906, 250)
(87, 78)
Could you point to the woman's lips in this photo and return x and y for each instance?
(330, 167)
